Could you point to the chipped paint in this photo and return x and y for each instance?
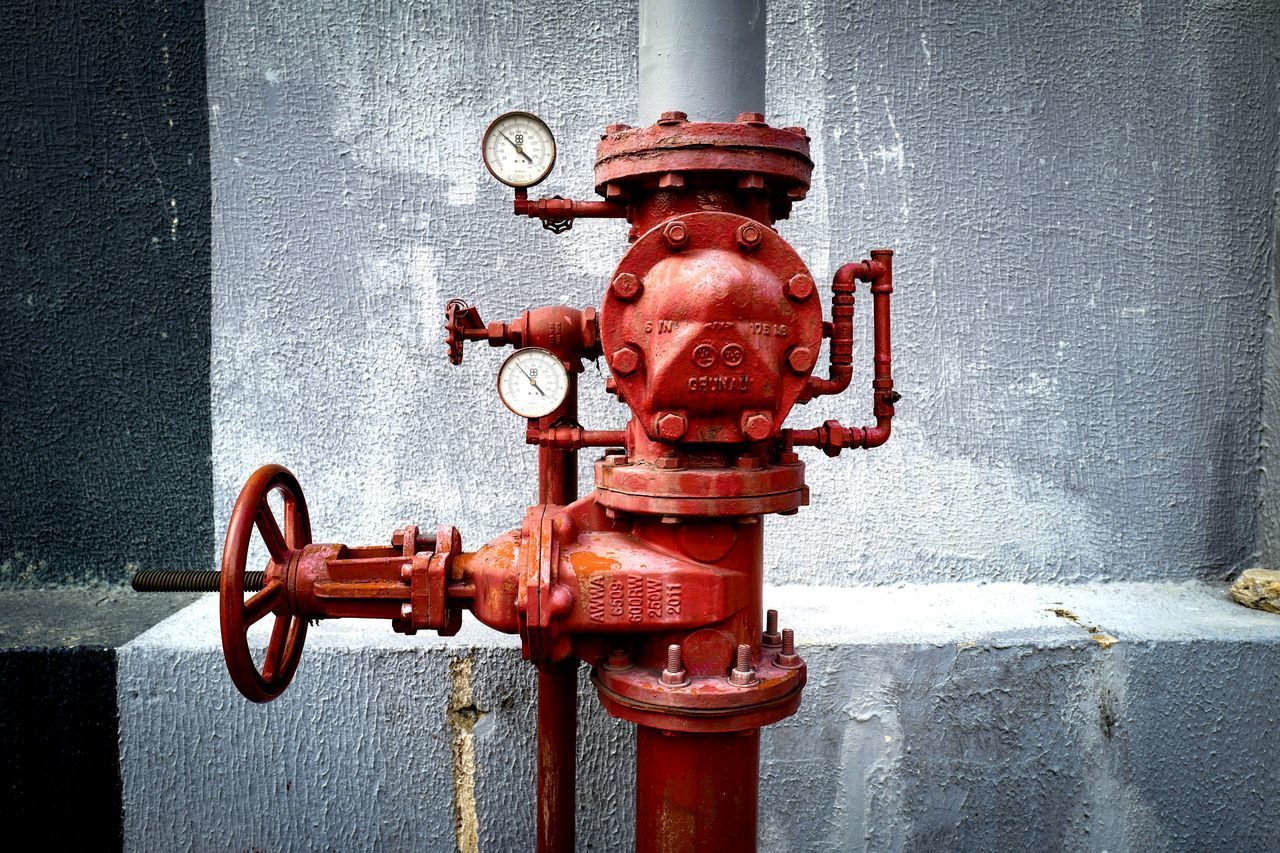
(463, 715)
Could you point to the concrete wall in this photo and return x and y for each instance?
(104, 287)
(1123, 717)
(1081, 196)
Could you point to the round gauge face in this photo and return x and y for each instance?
(518, 149)
(532, 382)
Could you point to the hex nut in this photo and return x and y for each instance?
(671, 426)
(749, 236)
(673, 117)
(801, 359)
(757, 426)
(668, 463)
(750, 118)
(800, 287)
(625, 360)
(676, 235)
(626, 286)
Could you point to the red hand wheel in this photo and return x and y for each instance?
(284, 543)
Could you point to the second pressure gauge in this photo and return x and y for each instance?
(518, 149)
(532, 382)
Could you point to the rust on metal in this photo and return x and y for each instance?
(711, 327)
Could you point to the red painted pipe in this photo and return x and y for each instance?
(558, 682)
(832, 436)
(696, 791)
(557, 742)
(843, 285)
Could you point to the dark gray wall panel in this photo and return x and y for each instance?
(104, 291)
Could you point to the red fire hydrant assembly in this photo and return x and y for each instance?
(711, 326)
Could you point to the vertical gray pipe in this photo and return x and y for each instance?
(702, 57)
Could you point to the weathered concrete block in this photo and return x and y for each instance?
(956, 717)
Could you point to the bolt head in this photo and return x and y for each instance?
(749, 236)
(798, 131)
(671, 426)
(750, 118)
(676, 235)
(757, 426)
(673, 117)
(615, 128)
(625, 360)
(668, 463)
(801, 359)
(626, 286)
(800, 287)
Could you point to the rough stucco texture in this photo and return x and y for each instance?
(104, 289)
(945, 717)
(1080, 194)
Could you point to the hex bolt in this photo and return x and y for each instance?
(801, 359)
(757, 426)
(798, 131)
(668, 463)
(676, 235)
(771, 637)
(749, 236)
(671, 426)
(674, 675)
(800, 287)
(625, 360)
(618, 659)
(750, 118)
(672, 117)
(787, 658)
(617, 128)
(744, 674)
(626, 286)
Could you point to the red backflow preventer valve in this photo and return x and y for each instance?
(712, 326)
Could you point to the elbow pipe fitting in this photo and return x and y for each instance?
(832, 437)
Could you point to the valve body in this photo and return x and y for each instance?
(711, 325)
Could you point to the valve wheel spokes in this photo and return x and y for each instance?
(237, 615)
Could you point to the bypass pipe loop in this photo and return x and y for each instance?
(833, 437)
(284, 543)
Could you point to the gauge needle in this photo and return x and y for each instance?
(532, 381)
(519, 149)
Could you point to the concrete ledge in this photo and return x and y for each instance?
(59, 764)
(944, 717)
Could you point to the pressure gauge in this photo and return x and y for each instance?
(532, 382)
(518, 149)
